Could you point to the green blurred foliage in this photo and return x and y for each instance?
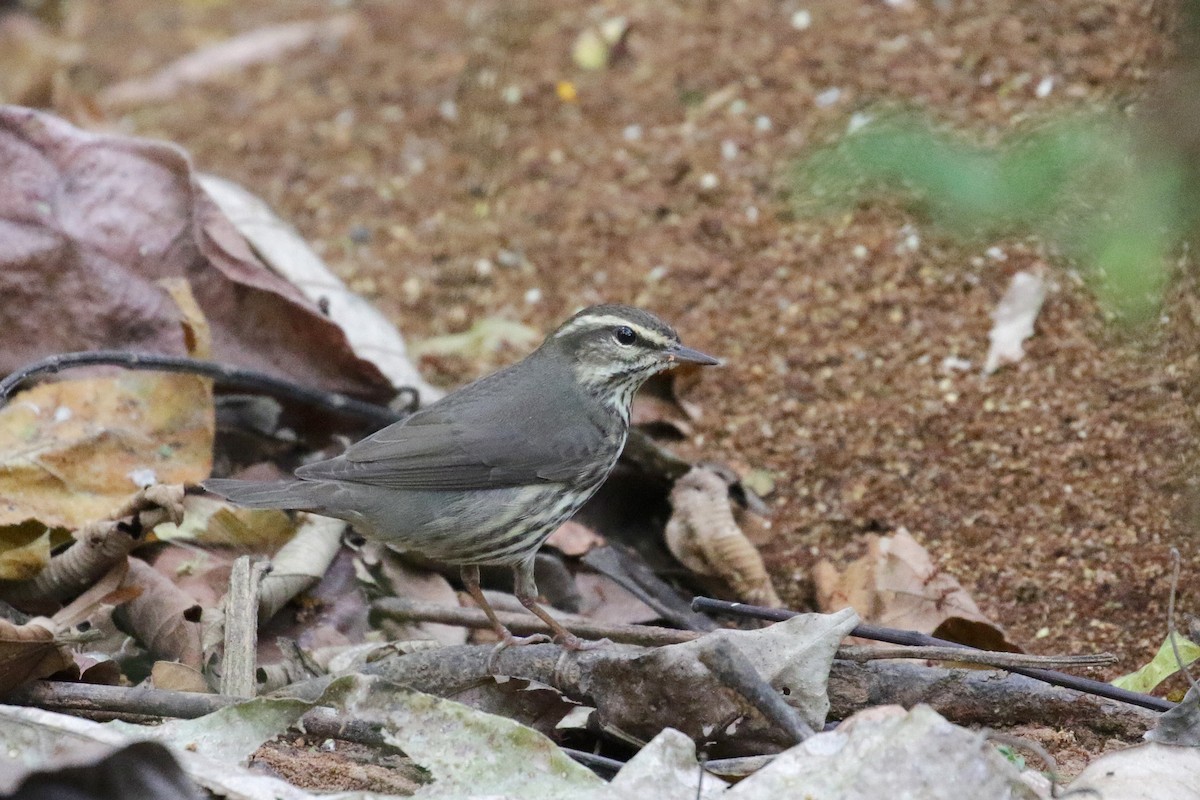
(1082, 184)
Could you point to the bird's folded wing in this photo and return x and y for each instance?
(429, 451)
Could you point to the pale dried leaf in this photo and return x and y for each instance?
(300, 563)
(24, 550)
(197, 335)
(1149, 771)
(1013, 320)
(667, 769)
(207, 520)
(370, 334)
(605, 600)
(888, 754)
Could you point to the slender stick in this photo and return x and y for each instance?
(879, 633)
(223, 374)
(404, 610)
(732, 668)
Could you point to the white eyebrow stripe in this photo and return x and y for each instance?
(602, 320)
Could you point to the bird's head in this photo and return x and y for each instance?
(613, 349)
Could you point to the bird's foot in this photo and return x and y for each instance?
(572, 642)
(507, 641)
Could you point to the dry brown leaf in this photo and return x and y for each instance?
(177, 677)
(574, 538)
(395, 577)
(162, 617)
(704, 536)
(200, 573)
(604, 600)
(89, 225)
(72, 452)
(29, 652)
(897, 584)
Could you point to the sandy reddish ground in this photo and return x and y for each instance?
(435, 165)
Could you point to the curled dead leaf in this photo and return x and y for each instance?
(704, 536)
(29, 652)
(897, 584)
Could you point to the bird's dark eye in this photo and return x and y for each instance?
(624, 335)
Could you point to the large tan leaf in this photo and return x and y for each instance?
(897, 584)
(72, 452)
(89, 226)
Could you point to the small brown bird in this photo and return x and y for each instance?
(484, 475)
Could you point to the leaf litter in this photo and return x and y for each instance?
(730, 96)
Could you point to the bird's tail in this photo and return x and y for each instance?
(296, 495)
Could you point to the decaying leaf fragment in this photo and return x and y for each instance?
(41, 647)
(897, 584)
(704, 536)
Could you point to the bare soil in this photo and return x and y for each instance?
(441, 165)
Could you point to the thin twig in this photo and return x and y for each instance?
(404, 610)
(223, 374)
(241, 628)
(143, 702)
(1171, 621)
(991, 658)
(733, 669)
(879, 633)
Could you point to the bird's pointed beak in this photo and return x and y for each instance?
(686, 355)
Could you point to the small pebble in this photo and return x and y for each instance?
(533, 296)
(996, 254)
(802, 19)
(858, 121)
(1044, 87)
(709, 181)
(632, 133)
(762, 123)
(484, 267)
(448, 110)
(828, 97)
(729, 150)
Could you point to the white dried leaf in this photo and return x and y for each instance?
(1013, 320)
